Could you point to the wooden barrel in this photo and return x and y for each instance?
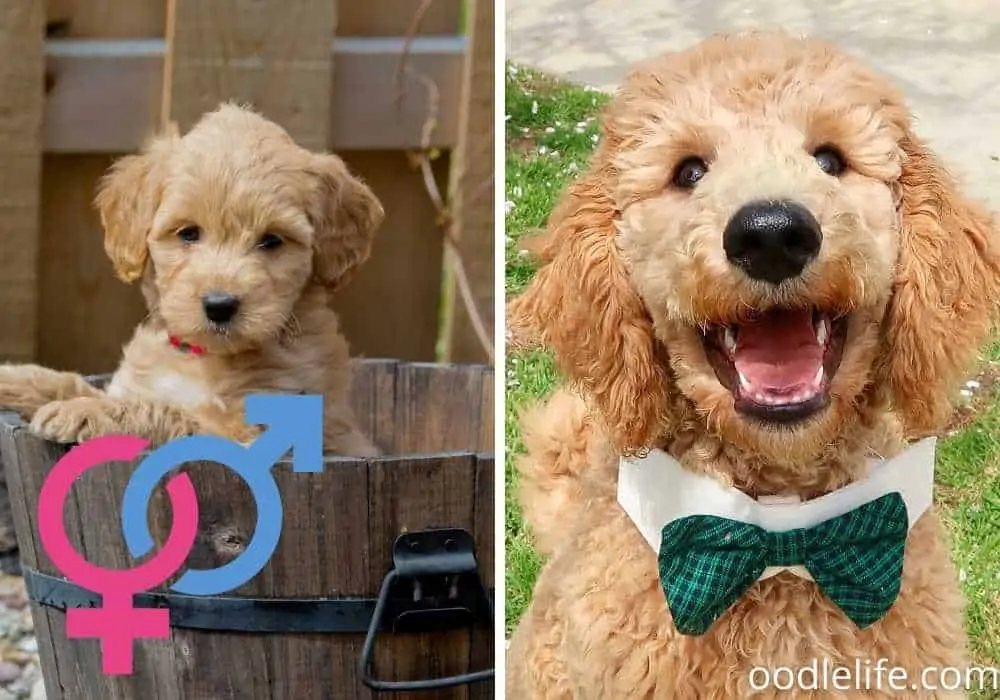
(296, 630)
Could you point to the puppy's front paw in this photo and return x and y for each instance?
(15, 388)
(75, 420)
(245, 435)
(229, 425)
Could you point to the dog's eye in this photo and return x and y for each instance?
(689, 172)
(829, 160)
(189, 234)
(269, 241)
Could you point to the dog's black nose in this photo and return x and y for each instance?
(772, 241)
(220, 308)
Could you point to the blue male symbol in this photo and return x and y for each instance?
(296, 423)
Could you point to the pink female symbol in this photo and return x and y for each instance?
(117, 623)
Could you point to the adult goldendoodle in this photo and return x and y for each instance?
(763, 288)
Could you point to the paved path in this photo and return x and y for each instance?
(945, 54)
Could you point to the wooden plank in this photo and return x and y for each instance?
(8, 534)
(409, 494)
(274, 56)
(98, 495)
(59, 13)
(394, 118)
(22, 83)
(483, 652)
(472, 194)
(488, 425)
(400, 284)
(77, 661)
(24, 485)
(205, 668)
(70, 666)
(78, 291)
(111, 18)
(484, 641)
(393, 17)
(88, 313)
(438, 408)
(106, 94)
(323, 552)
(86, 656)
(373, 395)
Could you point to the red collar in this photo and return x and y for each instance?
(186, 347)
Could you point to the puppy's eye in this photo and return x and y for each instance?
(269, 241)
(189, 234)
(689, 172)
(829, 160)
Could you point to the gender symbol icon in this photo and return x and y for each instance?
(295, 423)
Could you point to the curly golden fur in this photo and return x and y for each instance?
(634, 273)
(232, 208)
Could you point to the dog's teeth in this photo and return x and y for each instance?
(745, 383)
(818, 379)
(822, 330)
(730, 340)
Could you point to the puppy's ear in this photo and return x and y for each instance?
(582, 305)
(127, 199)
(946, 291)
(345, 215)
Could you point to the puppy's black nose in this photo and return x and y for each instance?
(219, 307)
(772, 241)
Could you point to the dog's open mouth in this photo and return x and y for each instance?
(779, 364)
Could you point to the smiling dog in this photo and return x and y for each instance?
(763, 282)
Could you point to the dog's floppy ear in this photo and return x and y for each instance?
(946, 291)
(127, 199)
(582, 305)
(346, 215)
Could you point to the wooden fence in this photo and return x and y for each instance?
(391, 85)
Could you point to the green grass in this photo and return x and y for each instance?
(551, 131)
(968, 496)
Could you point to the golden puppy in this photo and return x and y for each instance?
(766, 275)
(236, 235)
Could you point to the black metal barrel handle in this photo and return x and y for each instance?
(418, 556)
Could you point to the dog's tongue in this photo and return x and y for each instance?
(778, 353)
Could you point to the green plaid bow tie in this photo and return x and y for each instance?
(707, 562)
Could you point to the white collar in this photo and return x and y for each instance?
(656, 490)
